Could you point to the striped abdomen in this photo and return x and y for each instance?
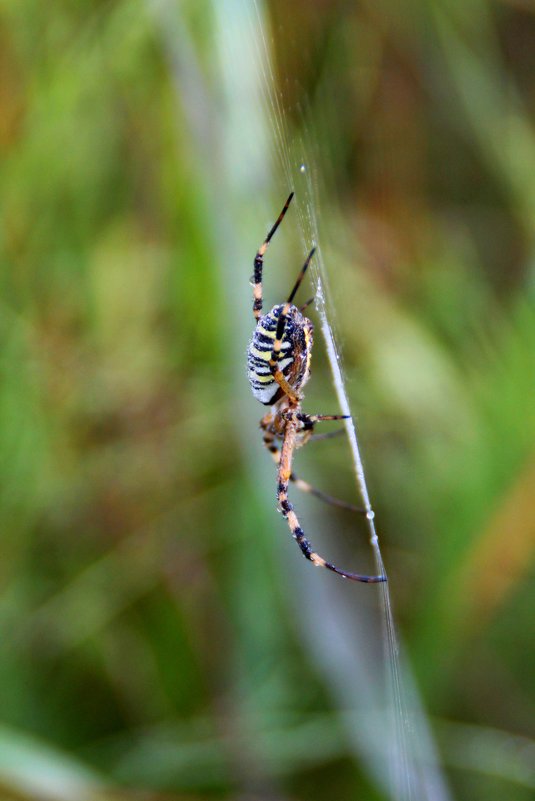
(293, 358)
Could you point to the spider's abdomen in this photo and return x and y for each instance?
(293, 359)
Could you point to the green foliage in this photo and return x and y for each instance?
(152, 630)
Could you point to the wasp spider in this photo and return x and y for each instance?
(279, 367)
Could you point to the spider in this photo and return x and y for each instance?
(279, 366)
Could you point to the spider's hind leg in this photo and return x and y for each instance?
(329, 435)
(305, 434)
(283, 478)
(269, 443)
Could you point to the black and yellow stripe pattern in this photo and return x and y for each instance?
(290, 354)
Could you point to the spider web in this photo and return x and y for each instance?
(409, 753)
(395, 745)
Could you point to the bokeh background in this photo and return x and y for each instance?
(153, 607)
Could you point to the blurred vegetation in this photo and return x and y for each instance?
(151, 643)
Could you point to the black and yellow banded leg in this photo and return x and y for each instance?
(287, 509)
(308, 421)
(259, 262)
(304, 486)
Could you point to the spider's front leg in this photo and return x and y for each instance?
(259, 262)
(287, 509)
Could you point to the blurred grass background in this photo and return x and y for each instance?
(151, 640)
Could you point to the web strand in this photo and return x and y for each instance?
(412, 763)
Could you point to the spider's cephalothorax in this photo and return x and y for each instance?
(293, 359)
(279, 367)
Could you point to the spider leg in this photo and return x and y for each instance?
(307, 304)
(330, 435)
(308, 421)
(283, 478)
(340, 432)
(259, 262)
(300, 277)
(304, 486)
